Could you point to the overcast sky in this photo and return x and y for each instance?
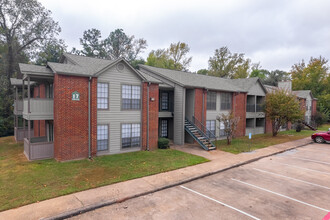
(275, 33)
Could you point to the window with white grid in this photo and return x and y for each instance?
(164, 132)
(165, 101)
(211, 98)
(102, 137)
(225, 100)
(131, 96)
(102, 95)
(210, 126)
(130, 135)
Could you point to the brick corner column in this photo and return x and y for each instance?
(239, 107)
(314, 105)
(200, 107)
(71, 117)
(153, 115)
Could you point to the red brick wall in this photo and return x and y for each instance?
(199, 112)
(239, 108)
(153, 115)
(71, 117)
(314, 104)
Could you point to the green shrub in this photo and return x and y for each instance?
(299, 127)
(163, 143)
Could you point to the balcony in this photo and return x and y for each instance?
(38, 148)
(40, 109)
(21, 133)
(18, 107)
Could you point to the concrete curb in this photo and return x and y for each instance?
(89, 208)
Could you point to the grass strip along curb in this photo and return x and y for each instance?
(89, 208)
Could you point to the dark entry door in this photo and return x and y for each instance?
(164, 128)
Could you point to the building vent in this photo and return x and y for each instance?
(120, 67)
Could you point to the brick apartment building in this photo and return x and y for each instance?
(82, 107)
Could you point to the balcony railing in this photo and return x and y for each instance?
(21, 133)
(38, 148)
(18, 107)
(40, 109)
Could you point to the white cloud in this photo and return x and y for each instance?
(275, 33)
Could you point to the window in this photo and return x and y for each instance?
(226, 100)
(130, 97)
(102, 137)
(102, 95)
(164, 101)
(210, 126)
(130, 135)
(164, 132)
(211, 101)
(222, 129)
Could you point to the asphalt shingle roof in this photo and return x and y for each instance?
(31, 68)
(195, 80)
(302, 93)
(149, 78)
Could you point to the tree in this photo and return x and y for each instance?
(51, 52)
(177, 52)
(173, 57)
(228, 65)
(282, 107)
(118, 44)
(25, 25)
(92, 44)
(135, 63)
(230, 123)
(160, 58)
(258, 72)
(314, 76)
(203, 72)
(273, 77)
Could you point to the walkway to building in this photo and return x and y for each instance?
(65, 206)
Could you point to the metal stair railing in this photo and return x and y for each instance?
(207, 131)
(308, 125)
(201, 132)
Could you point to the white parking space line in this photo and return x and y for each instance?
(287, 197)
(214, 200)
(291, 178)
(303, 168)
(316, 161)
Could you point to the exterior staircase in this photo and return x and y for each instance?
(309, 126)
(198, 135)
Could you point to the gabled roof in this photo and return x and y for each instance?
(35, 69)
(89, 66)
(248, 83)
(303, 93)
(149, 78)
(187, 79)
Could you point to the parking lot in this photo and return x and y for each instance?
(291, 185)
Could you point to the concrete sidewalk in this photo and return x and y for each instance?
(72, 204)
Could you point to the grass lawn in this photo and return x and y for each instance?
(23, 182)
(243, 144)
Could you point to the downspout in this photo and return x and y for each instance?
(89, 118)
(148, 116)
